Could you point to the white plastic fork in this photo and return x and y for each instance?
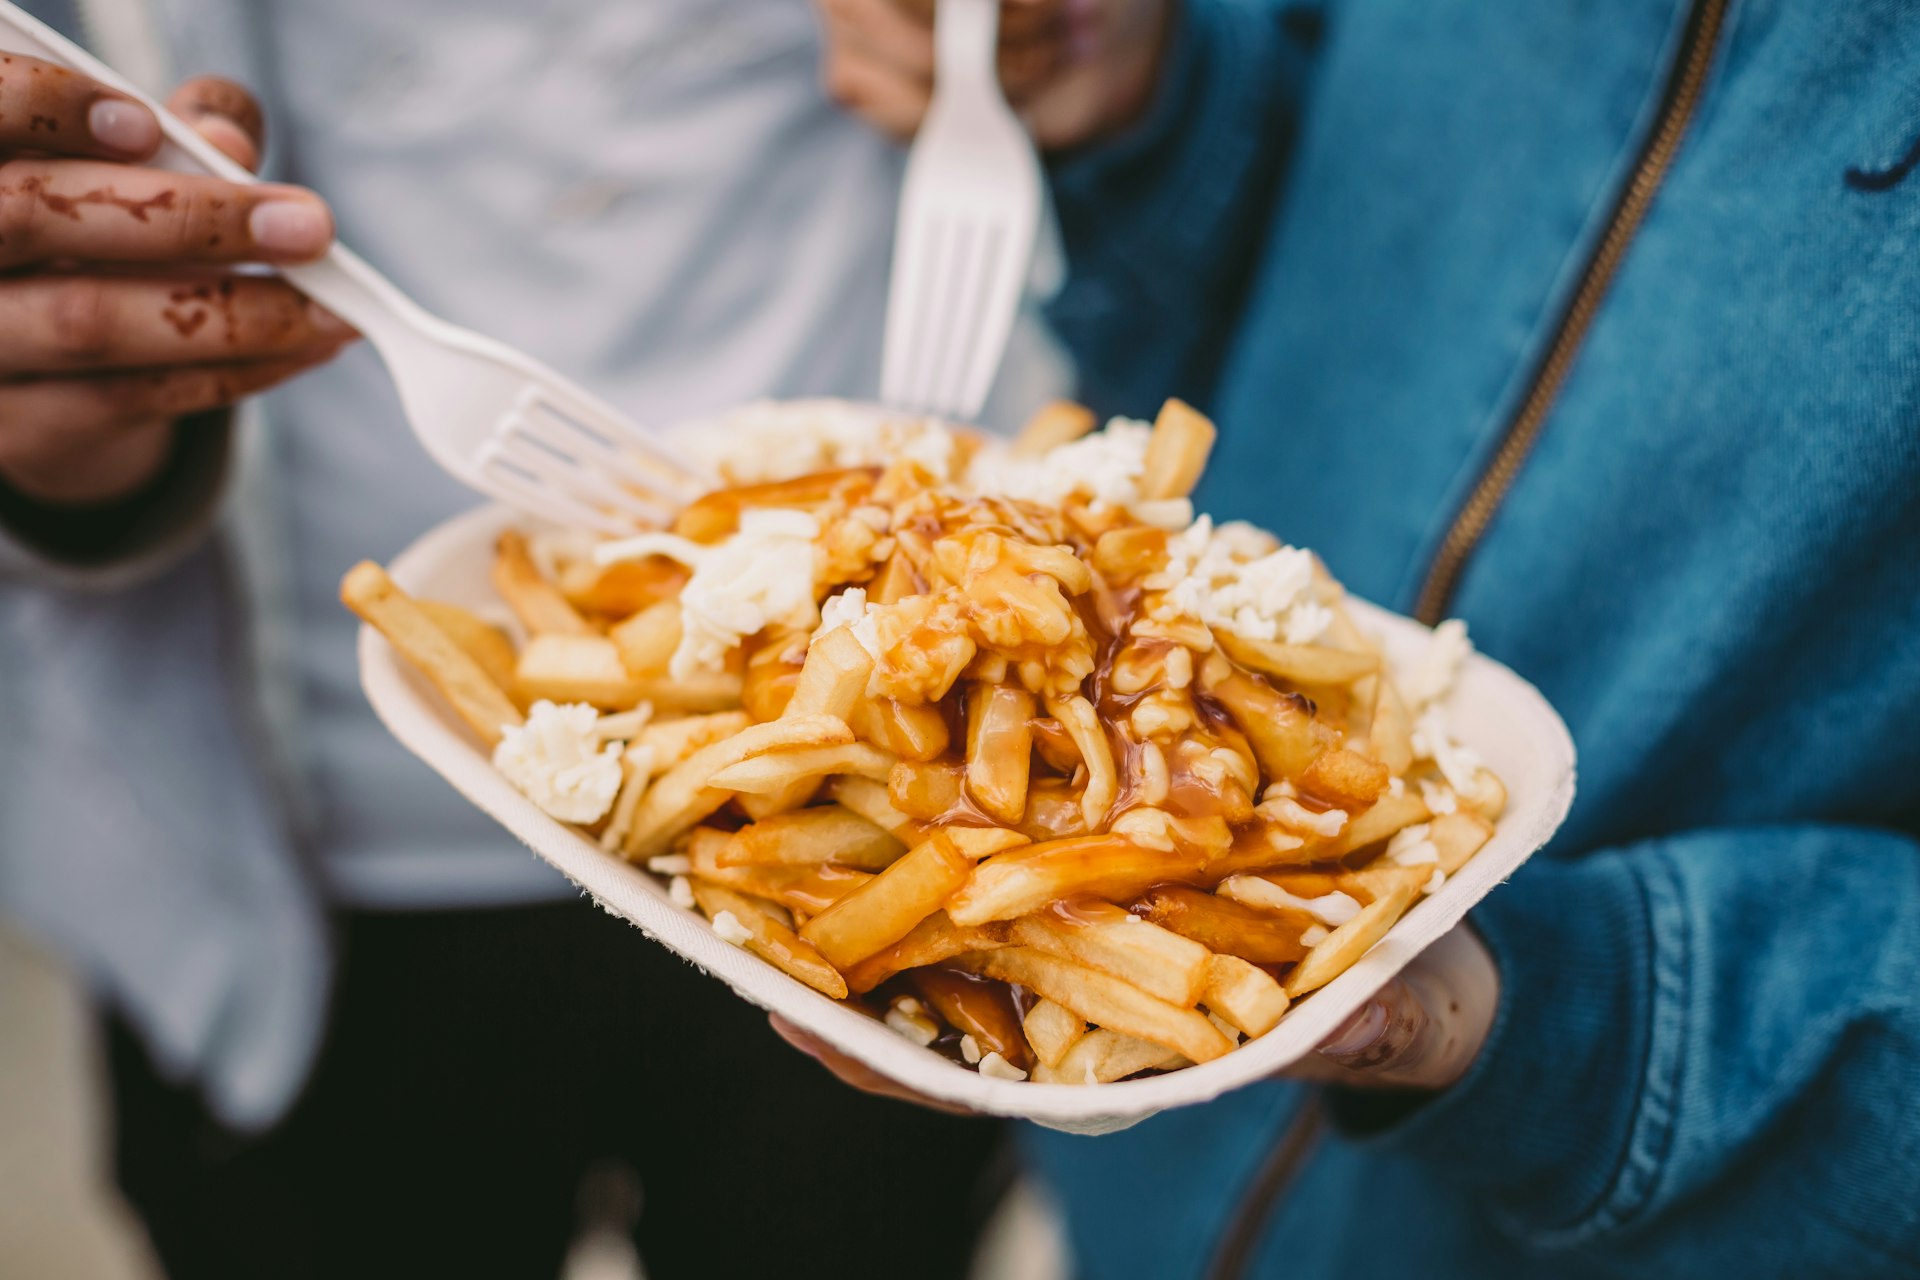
(969, 212)
(499, 420)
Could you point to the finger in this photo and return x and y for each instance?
(890, 101)
(225, 114)
(855, 1073)
(44, 107)
(884, 32)
(1424, 1028)
(91, 212)
(48, 420)
(57, 323)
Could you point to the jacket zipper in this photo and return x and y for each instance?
(1678, 102)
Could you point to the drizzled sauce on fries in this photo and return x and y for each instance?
(1022, 802)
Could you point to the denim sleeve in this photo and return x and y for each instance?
(1161, 225)
(1698, 1034)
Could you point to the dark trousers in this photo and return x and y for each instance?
(480, 1064)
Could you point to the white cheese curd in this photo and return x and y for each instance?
(1438, 797)
(1428, 678)
(1238, 579)
(558, 762)
(1314, 934)
(911, 1024)
(670, 864)
(1407, 837)
(1293, 815)
(680, 893)
(728, 926)
(970, 1049)
(1102, 466)
(1433, 741)
(999, 1068)
(762, 574)
(844, 610)
(1334, 908)
(1434, 881)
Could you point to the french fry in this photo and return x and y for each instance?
(831, 681)
(1227, 927)
(1103, 1056)
(1279, 726)
(484, 705)
(1102, 1000)
(869, 799)
(538, 604)
(1051, 1030)
(485, 643)
(701, 693)
(982, 1010)
(1344, 779)
(1458, 836)
(773, 662)
(1389, 814)
(1337, 952)
(771, 940)
(682, 795)
(1058, 423)
(933, 940)
(886, 908)
(808, 889)
(672, 741)
(646, 640)
(1105, 937)
(999, 749)
(1077, 717)
(1489, 797)
(928, 792)
(811, 836)
(713, 517)
(912, 731)
(621, 589)
(637, 767)
(575, 668)
(984, 842)
(1176, 452)
(772, 772)
(1027, 879)
(1245, 997)
(1298, 663)
(1391, 738)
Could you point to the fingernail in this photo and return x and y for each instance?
(325, 324)
(124, 126)
(1360, 1032)
(293, 228)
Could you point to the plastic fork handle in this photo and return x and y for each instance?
(966, 34)
(341, 281)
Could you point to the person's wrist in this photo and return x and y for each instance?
(99, 475)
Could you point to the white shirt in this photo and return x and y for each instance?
(655, 198)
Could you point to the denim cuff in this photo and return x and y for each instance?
(1562, 1113)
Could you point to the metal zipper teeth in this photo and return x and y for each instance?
(1681, 97)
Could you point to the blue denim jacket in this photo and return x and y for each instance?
(1352, 232)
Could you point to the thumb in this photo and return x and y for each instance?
(225, 114)
(1424, 1029)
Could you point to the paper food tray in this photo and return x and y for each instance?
(1494, 711)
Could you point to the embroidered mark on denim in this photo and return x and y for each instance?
(1888, 178)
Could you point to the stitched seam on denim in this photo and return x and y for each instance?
(1653, 1124)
